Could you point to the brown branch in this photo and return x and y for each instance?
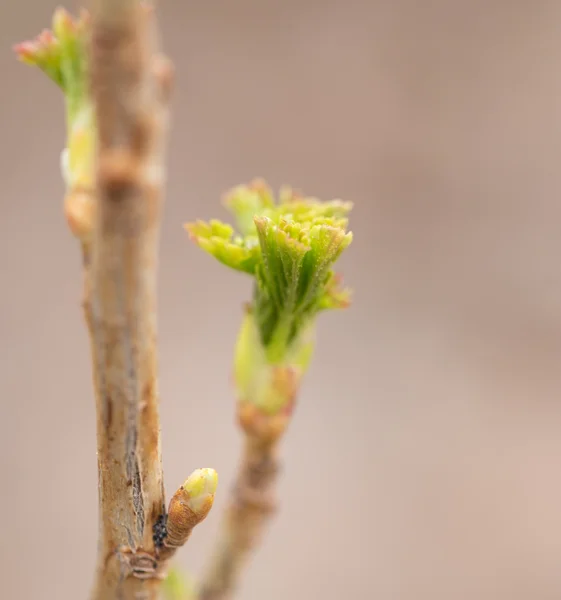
(130, 85)
(114, 168)
(252, 502)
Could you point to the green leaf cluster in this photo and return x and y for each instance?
(61, 54)
(289, 246)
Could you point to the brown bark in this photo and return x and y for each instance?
(129, 89)
(247, 515)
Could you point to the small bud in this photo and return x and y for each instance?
(61, 53)
(190, 505)
(201, 486)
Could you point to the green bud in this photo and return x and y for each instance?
(201, 486)
(289, 247)
(61, 53)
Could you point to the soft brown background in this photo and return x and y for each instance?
(425, 459)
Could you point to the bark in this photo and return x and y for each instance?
(130, 86)
(251, 506)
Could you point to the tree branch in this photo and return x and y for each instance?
(290, 247)
(251, 505)
(129, 89)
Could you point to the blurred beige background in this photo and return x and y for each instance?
(425, 459)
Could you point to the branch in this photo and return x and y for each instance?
(116, 88)
(289, 247)
(248, 513)
(130, 85)
(120, 298)
(253, 497)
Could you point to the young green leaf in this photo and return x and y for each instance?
(290, 247)
(61, 53)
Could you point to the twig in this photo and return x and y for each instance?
(116, 90)
(251, 505)
(130, 85)
(289, 247)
